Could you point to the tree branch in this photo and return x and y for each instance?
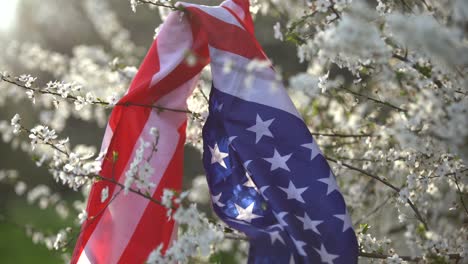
(341, 135)
(396, 189)
(95, 102)
(374, 100)
(159, 4)
(407, 258)
(460, 193)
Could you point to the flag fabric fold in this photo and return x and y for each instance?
(267, 176)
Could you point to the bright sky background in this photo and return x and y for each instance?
(7, 14)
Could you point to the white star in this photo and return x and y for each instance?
(246, 214)
(293, 192)
(291, 260)
(274, 226)
(346, 221)
(278, 161)
(219, 107)
(325, 256)
(275, 235)
(216, 199)
(263, 190)
(310, 224)
(249, 182)
(299, 245)
(279, 217)
(237, 222)
(330, 181)
(261, 128)
(313, 149)
(217, 156)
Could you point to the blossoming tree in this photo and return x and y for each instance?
(384, 92)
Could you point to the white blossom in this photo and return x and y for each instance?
(27, 79)
(277, 30)
(154, 131)
(83, 216)
(30, 94)
(133, 5)
(112, 99)
(79, 102)
(20, 188)
(15, 123)
(104, 194)
(394, 259)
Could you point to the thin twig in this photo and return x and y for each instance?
(361, 253)
(373, 211)
(406, 258)
(396, 189)
(91, 219)
(460, 193)
(203, 94)
(374, 100)
(96, 102)
(341, 135)
(171, 6)
(98, 177)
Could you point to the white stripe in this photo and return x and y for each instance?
(264, 89)
(107, 138)
(84, 259)
(234, 8)
(173, 42)
(119, 221)
(217, 12)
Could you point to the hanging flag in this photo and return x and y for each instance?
(267, 177)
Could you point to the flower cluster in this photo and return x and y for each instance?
(196, 240)
(140, 170)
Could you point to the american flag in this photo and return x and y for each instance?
(267, 177)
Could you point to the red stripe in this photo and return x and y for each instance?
(152, 231)
(226, 36)
(247, 22)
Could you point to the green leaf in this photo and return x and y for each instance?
(294, 38)
(115, 156)
(424, 70)
(364, 228)
(421, 230)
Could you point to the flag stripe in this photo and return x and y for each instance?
(229, 40)
(153, 231)
(262, 90)
(172, 47)
(235, 8)
(241, 9)
(217, 13)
